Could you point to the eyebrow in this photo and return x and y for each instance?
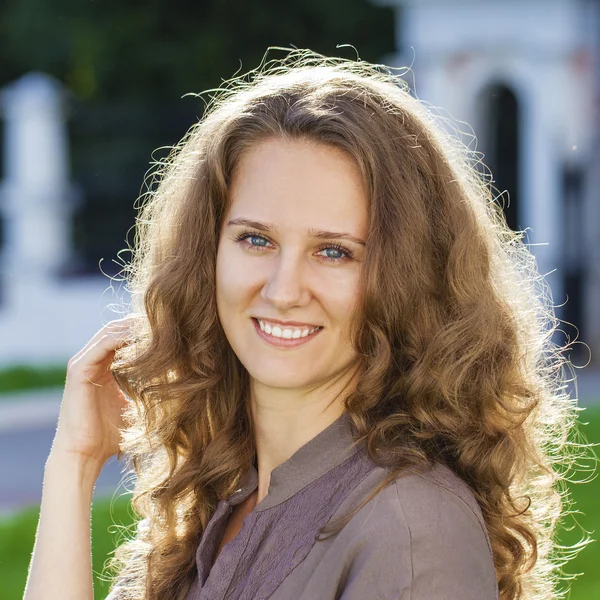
(315, 233)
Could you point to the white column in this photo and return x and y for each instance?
(541, 181)
(36, 199)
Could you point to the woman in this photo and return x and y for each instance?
(337, 380)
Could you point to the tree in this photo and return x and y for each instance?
(129, 63)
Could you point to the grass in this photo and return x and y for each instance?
(585, 498)
(20, 378)
(17, 534)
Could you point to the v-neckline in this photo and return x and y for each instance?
(239, 513)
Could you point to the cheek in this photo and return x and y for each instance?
(347, 301)
(223, 281)
(342, 291)
(233, 279)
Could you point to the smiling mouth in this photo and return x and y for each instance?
(282, 341)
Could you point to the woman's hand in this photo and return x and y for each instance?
(90, 416)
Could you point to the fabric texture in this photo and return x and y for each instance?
(421, 538)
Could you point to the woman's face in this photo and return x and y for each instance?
(298, 261)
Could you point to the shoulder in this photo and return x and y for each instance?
(419, 501)
(423, 536)
(439, 499)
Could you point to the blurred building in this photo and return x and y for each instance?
(45, 317)
(524, 74)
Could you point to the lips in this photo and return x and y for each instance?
(296, 332)
(283, 342)
(289, 324)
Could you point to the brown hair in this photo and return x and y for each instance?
(453, 332)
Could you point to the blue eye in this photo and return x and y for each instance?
(347, 254)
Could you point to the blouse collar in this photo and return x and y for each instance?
(326, 450)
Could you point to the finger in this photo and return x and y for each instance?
(98, 352)
(115, 325)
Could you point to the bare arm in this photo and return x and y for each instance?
(88, 434)
(61, 565)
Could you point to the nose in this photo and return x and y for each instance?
(286, 285)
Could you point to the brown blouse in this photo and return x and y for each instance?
(421, 538)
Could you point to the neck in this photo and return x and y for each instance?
(285, 420)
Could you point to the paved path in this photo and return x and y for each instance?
(28, 422)
(23, 456)
(27, 427)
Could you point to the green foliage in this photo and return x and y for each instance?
(117, 51)
(20, 378)
(128, 64)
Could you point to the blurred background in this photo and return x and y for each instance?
(91, 93)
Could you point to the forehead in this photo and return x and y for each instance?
(298, 184)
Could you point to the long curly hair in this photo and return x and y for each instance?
(453, 330)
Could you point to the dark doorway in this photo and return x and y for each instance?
(500, 144)
(573, 263)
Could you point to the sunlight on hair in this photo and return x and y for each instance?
(454, 330)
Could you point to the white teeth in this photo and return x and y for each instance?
(286, 333)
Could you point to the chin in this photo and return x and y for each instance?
(280, 379)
